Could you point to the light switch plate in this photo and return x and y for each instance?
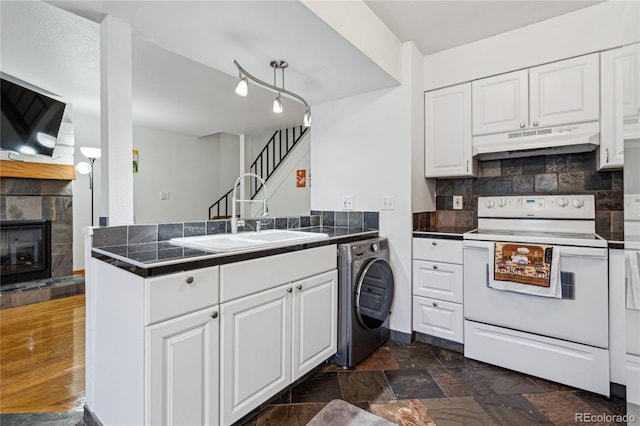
(457, 202)
(388, 202)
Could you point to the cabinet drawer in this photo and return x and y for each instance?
(177, 294)
(437, 280)
(437, 250)
(252, 276)
(437, 318)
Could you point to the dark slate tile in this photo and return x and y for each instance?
(356, 220)
(603, 222)
(142, 247)
(492, 186)
(142, 234)
(546, 182)
(464, 219)
(414, 356)
(490, 168)
(216, 227)
(597, 181)
(412, 384)
(316, 213)
(320, 387)
(557, 163)
(365, 386)
(281, 223)
(192, 229)
(601, 404)
(3, 185)
(267, 223)
(315, 219)
(293, 222)
(289, 415)
(23, 207)
(305, 221)
(61, 264)
(441, 202)
(166, 231)
(341, 219)
(60, 291)
(380, 359)
(371, 220)
(582, 161)
(533, 165)
(448, 203)
(457, 411)
(415, 221)
(57, 208)
(522, 184)
(402, 412)
(61, 233)
(110, 236)
(452, 359)
(250, 225)
(609, 201)
(62, 248)
(328, 218)
(617, 221)
(3, 207)
(511, 410)
(57, 187)
(459, 383)
(571, 182)
(18, 186)
(470, 202)
(617, 181)
(445, 186)
(49, 419)
(512, 166)
(559, 407)
(446, 218)
(464, 186)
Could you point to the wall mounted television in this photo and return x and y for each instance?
(30, 120)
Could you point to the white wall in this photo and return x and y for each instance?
(362, 146)
(187, 168)
(599, 27)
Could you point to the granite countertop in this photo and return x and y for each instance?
(162, 257)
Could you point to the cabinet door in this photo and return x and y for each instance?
(448, 132)
(256, 350)
(501, 103)
(565, 92)
(183, 370)
(315, 321)
(620, 103)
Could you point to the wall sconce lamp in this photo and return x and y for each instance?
(85, 168)
(242, 88)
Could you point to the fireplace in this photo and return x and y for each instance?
(25, 250)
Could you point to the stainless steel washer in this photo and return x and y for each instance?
(365, 293)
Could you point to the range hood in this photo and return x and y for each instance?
(582, 137)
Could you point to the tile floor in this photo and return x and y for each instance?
(421, 384)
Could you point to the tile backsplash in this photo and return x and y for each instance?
(548, 175)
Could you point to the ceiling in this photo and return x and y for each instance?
(183, 52)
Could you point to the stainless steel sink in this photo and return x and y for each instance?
(248, 240)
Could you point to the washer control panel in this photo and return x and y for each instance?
(539, 206)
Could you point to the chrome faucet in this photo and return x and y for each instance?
(235, 222)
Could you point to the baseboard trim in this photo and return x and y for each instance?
(400, 337)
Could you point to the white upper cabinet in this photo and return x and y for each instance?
(558, 93)
(620, 103)
(501, 103)
(448, 132)
(565, 92)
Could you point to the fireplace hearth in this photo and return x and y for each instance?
(25, 251)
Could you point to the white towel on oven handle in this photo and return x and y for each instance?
(633, 279)
(555, 286)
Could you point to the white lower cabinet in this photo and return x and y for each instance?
(272, 338)
(183, 369)
(437, 288)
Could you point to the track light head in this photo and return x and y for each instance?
(307, 119)
(243, 87)
(277, 105)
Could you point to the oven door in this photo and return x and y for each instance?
(582, 317)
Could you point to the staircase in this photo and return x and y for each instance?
(266, 163)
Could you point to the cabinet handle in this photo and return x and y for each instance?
(522, 125)
(214, 315)
(535, 123)
(299, 286)
(289, 290)
(435, 266)
(435, 304)
(467, 165)
(434, 243)
(189, 280)
(607, 151)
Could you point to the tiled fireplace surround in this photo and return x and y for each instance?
(548, 175)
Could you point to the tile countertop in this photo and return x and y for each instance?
(162, 257)
(615, 239)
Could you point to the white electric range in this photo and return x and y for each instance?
(536, 289)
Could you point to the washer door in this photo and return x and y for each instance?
(374, 293)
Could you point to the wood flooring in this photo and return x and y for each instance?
(42, 357)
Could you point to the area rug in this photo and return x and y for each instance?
(339, 412)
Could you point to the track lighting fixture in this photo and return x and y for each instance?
(242, 88)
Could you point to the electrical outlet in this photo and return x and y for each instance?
(457, 202)
(388, 202)
(347, 202)
(164, 195)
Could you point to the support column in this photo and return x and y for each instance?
(116, 123)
